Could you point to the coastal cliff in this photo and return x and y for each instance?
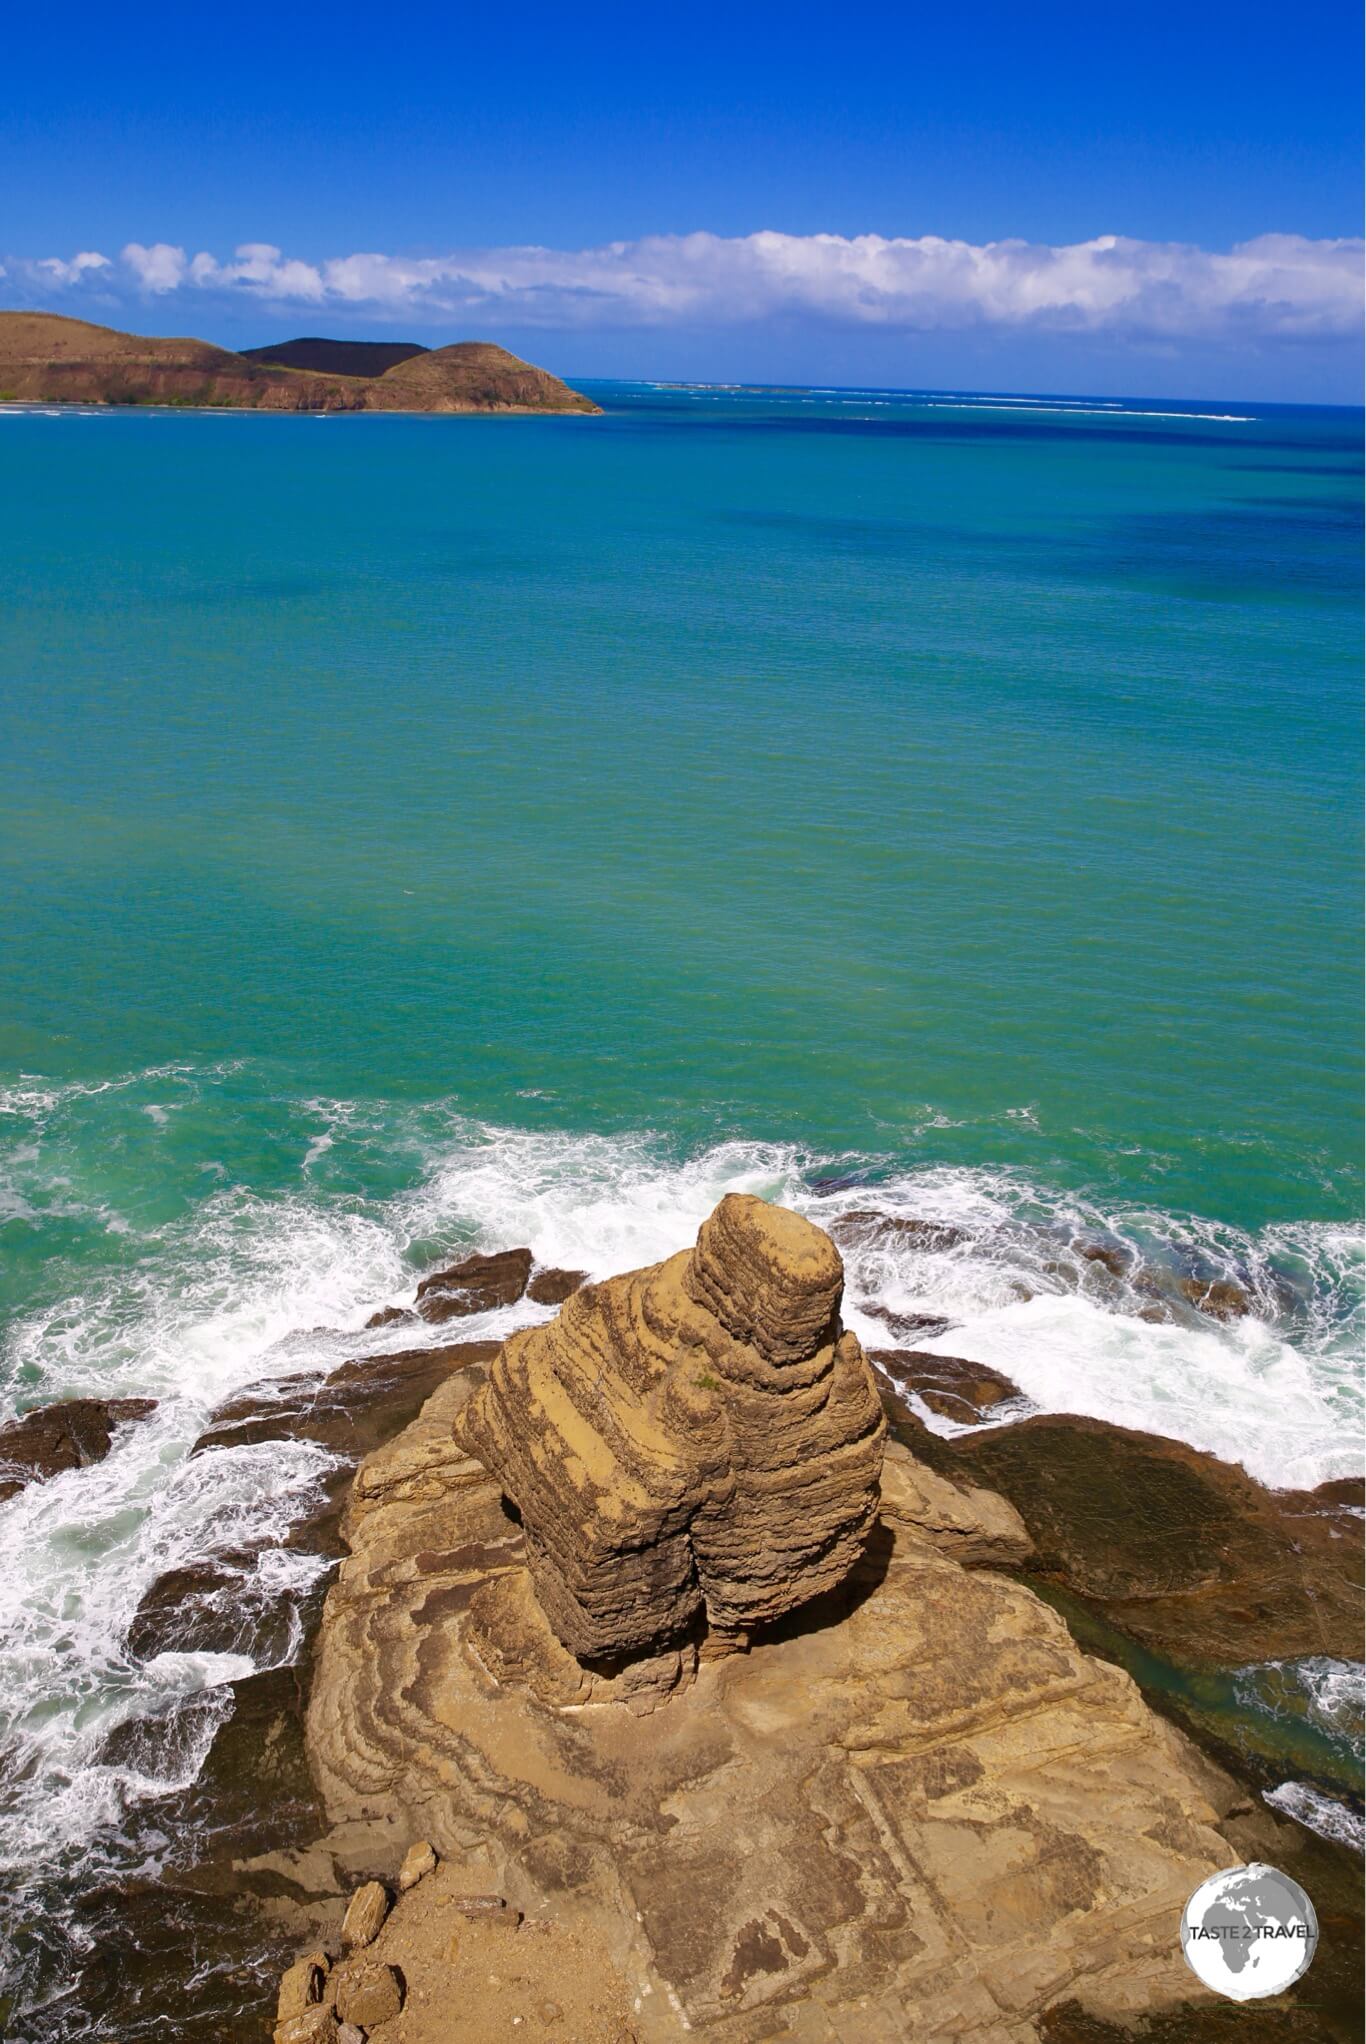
(50, 359)
(904, 1804)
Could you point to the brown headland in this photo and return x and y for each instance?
(49, 359)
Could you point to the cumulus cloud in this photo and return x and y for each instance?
(158, 268)
(73, 272)
(1275, 286)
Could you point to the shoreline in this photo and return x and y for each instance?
(95, 404)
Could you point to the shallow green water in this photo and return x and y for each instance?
(810, 770)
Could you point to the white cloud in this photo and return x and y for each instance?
(74, 271)
(158, 268)
(1276, 286)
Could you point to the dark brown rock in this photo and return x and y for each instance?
(478, 1284)
(59, 1437)
(1221, 1298)
(867, 1225)
(905, 1326)
(553, 1287)
(351, 1410)
(1116, 1261)
(206, 1606)
(390, 1316)
(1185, 1553)
(963, 1391)
(1342, 1490)
(197, 1610)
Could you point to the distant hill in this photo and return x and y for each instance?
(48, 358)
(472, 376)
(337, 358)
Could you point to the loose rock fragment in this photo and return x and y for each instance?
(365, 1913)
(301, 1986)
(371, 1994)
(317, 2025)
(417, 1861)
(487, 1907)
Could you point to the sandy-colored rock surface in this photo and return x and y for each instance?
(693, 1442)
(482, 1975)
(912, 1809)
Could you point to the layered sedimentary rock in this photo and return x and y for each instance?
(696, 1441)
(915, 1809)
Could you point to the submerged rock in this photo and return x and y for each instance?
(1221, 1298)
(202, 1609)
(59, 1437)
(866, 1226)
(695, 1441)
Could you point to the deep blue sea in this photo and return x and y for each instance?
(427, 831)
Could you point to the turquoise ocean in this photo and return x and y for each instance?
(420, 832)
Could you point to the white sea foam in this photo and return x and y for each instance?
(1074, 411)
(1328, 1815)
(1327, 1692)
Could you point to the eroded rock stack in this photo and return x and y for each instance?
(695, 1440)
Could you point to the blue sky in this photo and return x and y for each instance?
(446, 140)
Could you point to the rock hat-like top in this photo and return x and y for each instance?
(695, 1440)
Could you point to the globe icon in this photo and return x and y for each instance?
(1249, 1931)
